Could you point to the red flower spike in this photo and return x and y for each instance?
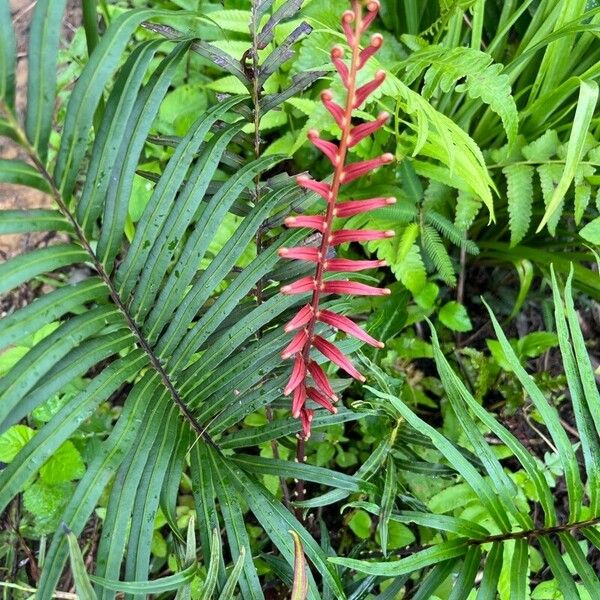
(358, 235)
(296, 345)
(298, 400)
(321, 380)
(354, 23)
(364, 129)
(320, 399)
(358, 169)
(347, 19)
(297, 377)
(306, 417)
(306, 284)
(336, 356)
(371, 49)
(337, 112)
(300, 253)
(362, 93)
(347, 326)
(319, 187)
(303, 316)
(329, 149)
(345, 265)
(355, 207)
(353, 288)
(336, 58)
(312, 222)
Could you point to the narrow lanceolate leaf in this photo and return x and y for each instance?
(153, 586)
(285, 11)
(419, 560)
(114, 126)
(8, 56)
(232, 580)
(519, 569)
(213, 567)
(116, 201)
(581, 564)
(80, 576)
(586, 105)
(551, 419)
(35, 219)
(466, 577)
(18, 172)
(491, 573)
(88, 91)
(434, 579)
(48, 308)
(42, 58)
(37, 262)
(519, 181)
(387, 503)
(300, 587)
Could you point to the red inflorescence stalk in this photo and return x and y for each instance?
(320, 391)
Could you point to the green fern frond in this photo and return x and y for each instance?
(484, 79)
(434, 247)
(550, 175)
(467, 209)
(519, 194)
(450, 231)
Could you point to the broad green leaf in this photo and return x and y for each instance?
(454, 316)
(13, 440)
(65, 464)
(591, 232)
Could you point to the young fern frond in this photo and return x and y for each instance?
(519, 195)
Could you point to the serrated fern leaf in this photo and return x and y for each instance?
(450, 231)
(519, 193)
(550, 175)
(443, 68)
(434, 247)
(467, 208)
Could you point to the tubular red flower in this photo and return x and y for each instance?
(298, 375)
(371, 49)
(336, 356)
(303, 316)
(337, 112)
(320, 187)
(362, 93)
(306, 417)
(352, 287)
(336, 58)
(305, 284)
(347, 326)
(300, 253)
(361, 131)
(372, 10)
(345, 265)
(321, 380)
(347, 19)
(355, 207)
(296, 345)
(329, 149)
(298, 400)
(358, 169)
(311, 221)
(357, 235)
(320, 399)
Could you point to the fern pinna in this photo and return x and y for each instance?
(354, 25)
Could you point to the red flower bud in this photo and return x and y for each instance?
(296, 345)
(312, 222)
(361, 131)
(300, 253)
(336, 356)
(358, 235)
(336, 58)
(358, 169)
(355, 207)
(352, 287)
(365, 55)
(337, 112)
(321, 380)
(329, 149)
(306, 284)
(298, 400)
(345, 265)
(347, 326)
(362, 93)
(303, 316)
(319, 187)
(298, 375)
(321, 399)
